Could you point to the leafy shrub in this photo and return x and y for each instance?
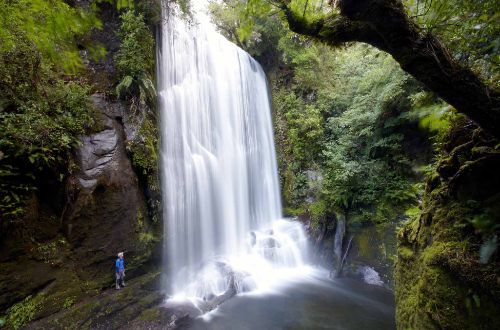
(135, 59)
(318, 211)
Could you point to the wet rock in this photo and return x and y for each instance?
(97, 151)
(111, 309)
(212, 304)
(89, 184)
(270, 243)
(114, 110)
(253, 239)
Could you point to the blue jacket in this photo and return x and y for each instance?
(120, 265)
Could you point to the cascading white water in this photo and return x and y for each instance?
(222, 206)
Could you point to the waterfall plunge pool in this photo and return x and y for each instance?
(308, 302)
(277, 290)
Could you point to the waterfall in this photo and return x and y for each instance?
(221, 196)
(338, 243)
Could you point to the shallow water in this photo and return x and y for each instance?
(308, 303)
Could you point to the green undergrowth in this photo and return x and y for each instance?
(23, 312)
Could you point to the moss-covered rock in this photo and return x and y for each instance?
(440, 281)
(110, 309)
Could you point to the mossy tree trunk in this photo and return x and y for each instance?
(440, 281)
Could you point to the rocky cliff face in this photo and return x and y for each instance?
(107, 209)
(60, 257)
(71, 250)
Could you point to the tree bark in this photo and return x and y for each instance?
(385, 25)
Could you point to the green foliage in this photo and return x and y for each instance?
(41, 114)
(252, 12)
(469, 27)
(38, 134)
(50, 26)
(23, 312)
(49, 251)
(135, 59)
(318, 211)
(120, 4)
(68, 302)
(311, 10)
(366, 167)
(304, 126)
(294, 212)
(413, 213)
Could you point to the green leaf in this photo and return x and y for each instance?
(124, 86)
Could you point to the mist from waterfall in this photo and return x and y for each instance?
(221, 197)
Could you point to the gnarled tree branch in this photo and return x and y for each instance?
(385, 25)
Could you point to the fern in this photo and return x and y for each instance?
(124, 86)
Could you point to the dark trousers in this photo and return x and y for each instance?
(120, 279)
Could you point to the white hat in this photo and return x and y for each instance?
(120, 254)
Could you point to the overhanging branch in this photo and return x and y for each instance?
(385, 25)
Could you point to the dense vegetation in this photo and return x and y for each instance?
(44, 92)
(43, 105)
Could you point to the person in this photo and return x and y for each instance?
(120, 271)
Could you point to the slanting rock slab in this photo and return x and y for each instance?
(110, 309)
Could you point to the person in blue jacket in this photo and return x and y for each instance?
(120, 271)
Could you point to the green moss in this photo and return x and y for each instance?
(440, 283)
(440, 251)
(413, 212)
(150, 314)
(145, 147)
(405, 252)
(24, 311)
(146, 237)
(68, 302)
(364, 246)
(140, 219)
(294, 212)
